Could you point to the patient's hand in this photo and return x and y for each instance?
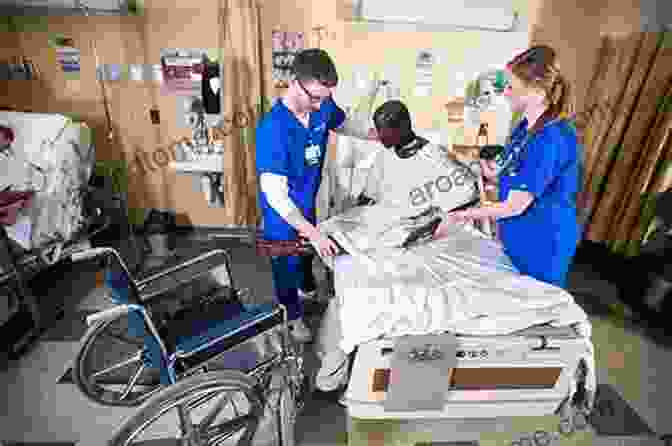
(449, 220)
(363, 200)
(441, 230)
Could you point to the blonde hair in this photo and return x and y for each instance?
(538, 68)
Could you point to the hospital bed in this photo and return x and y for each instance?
(538, 371)
(519, 347)
(53, 156)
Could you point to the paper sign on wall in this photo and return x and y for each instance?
(424, 73)
(67, 55)
(285, 47)
(183, 70)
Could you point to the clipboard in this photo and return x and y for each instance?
(420, 372)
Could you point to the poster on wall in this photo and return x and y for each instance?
(424, 66)
(285, 46)
(67, 55)
(183, 70)
(68, 58)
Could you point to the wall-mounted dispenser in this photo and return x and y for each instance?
(201, 157)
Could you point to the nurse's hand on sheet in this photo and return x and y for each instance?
(489, 169)
(372, 135)
(326, 247)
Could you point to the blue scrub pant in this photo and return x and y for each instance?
(289, 274)
(553, 270)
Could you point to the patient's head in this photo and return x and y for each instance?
(393, 124)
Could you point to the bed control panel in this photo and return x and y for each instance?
(429, 353)
(472, 354)
(468, 352)
(544, 345)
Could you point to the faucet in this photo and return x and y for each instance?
(196, 119)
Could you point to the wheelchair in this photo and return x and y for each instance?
(191, 341)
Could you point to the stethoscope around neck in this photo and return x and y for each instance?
(507, 167)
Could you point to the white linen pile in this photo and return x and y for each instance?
(55, 157)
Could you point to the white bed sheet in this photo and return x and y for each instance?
(463, 283)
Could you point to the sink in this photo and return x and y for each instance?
(208, 167)
(203, 164)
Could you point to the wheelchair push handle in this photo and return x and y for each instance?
(107, 315)
(96, 253)
(89, 254)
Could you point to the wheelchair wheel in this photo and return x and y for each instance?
(215, 408)
(110, 366)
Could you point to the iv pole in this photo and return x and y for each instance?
(110, 138)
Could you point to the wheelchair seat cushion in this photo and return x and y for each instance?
(191, 331)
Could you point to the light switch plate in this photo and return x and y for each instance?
(154, 116)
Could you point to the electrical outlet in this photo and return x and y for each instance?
(154, 116)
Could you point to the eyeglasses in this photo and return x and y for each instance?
(313, 99)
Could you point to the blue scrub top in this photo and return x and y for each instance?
(542, 241)
(286, 147)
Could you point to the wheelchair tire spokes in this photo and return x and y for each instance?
(135, 358)
(121, 335)
(126, 381)
(207, 421)
(227, 429)
(186, 398)
(132, 382)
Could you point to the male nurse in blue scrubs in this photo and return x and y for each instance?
(538, 175)
(291, 147)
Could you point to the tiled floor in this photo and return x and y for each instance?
(34, 409)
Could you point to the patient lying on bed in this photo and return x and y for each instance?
(462, 283)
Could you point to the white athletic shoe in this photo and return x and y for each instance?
(333, 372)
(300, 332)
(307, 295)
(341, 400)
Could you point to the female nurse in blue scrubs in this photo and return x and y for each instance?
(538, 174)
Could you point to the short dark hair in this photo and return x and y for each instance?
(392, 115)
(315, 65)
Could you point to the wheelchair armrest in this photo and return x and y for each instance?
(192, 271)
(107, 315)
(147, 280)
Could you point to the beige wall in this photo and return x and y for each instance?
(124, 40)
(575, 27)
(568, 25)
(353, 45)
